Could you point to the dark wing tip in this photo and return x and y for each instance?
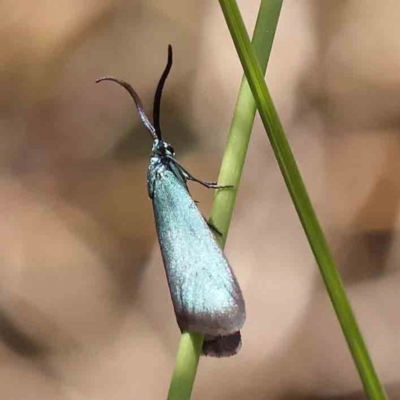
(218, 323)
(222, 346)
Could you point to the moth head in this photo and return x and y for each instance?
(161, 148)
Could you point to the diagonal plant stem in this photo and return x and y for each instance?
(231, 170)
(243, 120)
(301, 201)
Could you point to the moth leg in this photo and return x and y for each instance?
(208, 185)
(213, 228)
(190, 177)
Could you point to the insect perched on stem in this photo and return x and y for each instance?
(205, 293)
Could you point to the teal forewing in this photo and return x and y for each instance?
(205, 294)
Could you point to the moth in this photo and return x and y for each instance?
(205, 293)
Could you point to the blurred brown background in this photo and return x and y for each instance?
(84, 307)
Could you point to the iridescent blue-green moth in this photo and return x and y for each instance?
(205, 293)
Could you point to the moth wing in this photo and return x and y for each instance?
(204, 291)
(222, 346)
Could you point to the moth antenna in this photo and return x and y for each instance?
(138, 103)
(157, 97)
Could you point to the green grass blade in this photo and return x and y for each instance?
(231, 169)
(186, 366)
(302, 203)
(242, 122)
